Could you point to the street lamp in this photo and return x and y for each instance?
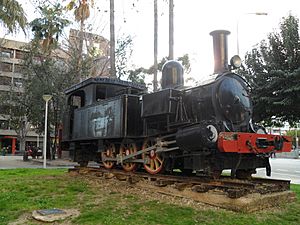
(237, 27)
(46, 98)
(296, 137)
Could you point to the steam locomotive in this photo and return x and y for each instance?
(204, 129)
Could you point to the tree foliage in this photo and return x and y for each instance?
(273, 71)
(45, 72)
(49, 26)
(81, 10)
(12, 15)
(46, 68)
(123, 53)
(16, 112)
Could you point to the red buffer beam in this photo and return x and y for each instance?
(253, 143)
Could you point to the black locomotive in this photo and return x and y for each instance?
(204, 129)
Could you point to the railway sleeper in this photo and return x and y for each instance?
(232, 189)
(237, 192)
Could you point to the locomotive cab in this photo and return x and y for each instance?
(99, 109)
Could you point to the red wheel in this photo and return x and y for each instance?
(127, 149)
(109, 152)
(153, 162)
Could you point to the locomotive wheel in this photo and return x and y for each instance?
(109, 152)
(127, 149)
(154, 163)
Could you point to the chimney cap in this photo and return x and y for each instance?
(226, 32)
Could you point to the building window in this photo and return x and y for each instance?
(18, 68)
(19, 54)
(6, 53)
(5, 80)
(6, 67)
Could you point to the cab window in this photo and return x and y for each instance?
(77, 99)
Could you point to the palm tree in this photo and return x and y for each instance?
(81, 13)
(12, 15)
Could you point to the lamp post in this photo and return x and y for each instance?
(46, 99)
(237, 28)
(296, 144)
(296, 136)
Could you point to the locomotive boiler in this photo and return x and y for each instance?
(204, 130)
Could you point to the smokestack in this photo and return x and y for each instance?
(220, 50)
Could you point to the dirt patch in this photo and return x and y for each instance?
(212, 199)
(142, 189)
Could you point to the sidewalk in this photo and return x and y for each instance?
(56, 162)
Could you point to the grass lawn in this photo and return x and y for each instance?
(25, 190)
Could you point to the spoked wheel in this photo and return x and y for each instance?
(153, 162)
(109, 152)
(127, 149)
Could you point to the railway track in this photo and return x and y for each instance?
(233, 188)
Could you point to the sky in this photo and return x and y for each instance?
(193, 21)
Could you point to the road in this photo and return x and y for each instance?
(286, 169)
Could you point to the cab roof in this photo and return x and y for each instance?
(105, 80)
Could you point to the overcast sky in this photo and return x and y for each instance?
(193, 21)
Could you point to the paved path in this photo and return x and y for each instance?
(286, 169)
(13, 162)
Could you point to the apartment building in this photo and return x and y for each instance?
(11, 79)
(95, 44)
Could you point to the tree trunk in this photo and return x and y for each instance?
(22, 144)
(112, 40)
(155, 46)
(80, 49)
(171, 30)
(22, 132)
